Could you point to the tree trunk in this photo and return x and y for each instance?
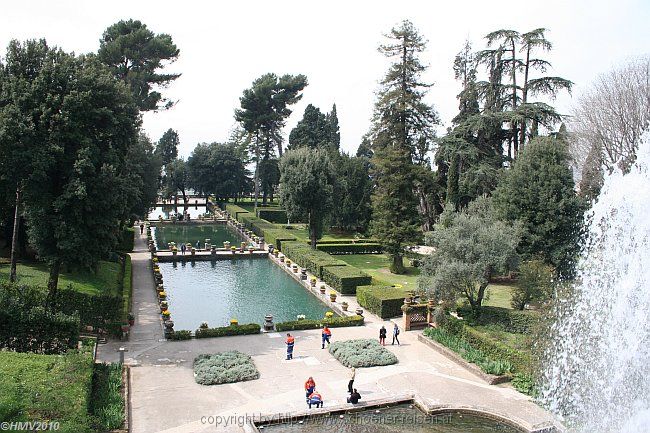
(14, 238)
(53, 282)
(256, 179)
(397, 265)
(513, 125)
(524, 98)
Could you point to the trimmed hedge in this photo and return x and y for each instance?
(224, 367)
(180, 335)
(362, 353)
(313, 260)
(255, 224)
(128, 240)
(224, 331)
(344, 241)
(277, 237)
(278, 216)
(127, 287)
(360, 248)
(384, 301)
(346, 278)
(521, 362)
(235, 210)
(334, 322)
(26, 325)
(520, 322)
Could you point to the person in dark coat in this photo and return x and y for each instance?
(382, 336)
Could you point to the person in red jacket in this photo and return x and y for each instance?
(310, 386)
(327, 334)
(290, 342)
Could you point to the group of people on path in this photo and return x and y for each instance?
(314, 398)
(326, 335)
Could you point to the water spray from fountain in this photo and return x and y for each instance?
(598, 371)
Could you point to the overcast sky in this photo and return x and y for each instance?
(224, 47)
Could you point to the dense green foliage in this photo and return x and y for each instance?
(273, 215)
(141, 178)
(316, 131)
(539, 193)
(361, 353)
(334, 322)
(217, 169)
(353, 188)
(384, 301)
(167, 146)
(127, 288)
(534, 284)
(514, 321)
(224, 367)
(225, 331)
(135, 54)
(106, 400)
(47, 387)
(307, 180)
(470, 247)
(128, 240)
(345, 279)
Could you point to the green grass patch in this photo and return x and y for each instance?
(498, 295)
(361, 353)
(105, 282)
(496, 333)
(376, 265)
(47, 387)
(224, 367)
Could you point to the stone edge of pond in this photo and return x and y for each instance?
(414, 399)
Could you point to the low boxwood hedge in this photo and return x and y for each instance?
(334, 322)
(384, 301)
(180, 335)
(127, 287)
(345, 279)
(343, 241)
(356, 248)
(235, 210)
(224, 367)
(277, 237)
(278, 216)
(224, 331)
(313, 260)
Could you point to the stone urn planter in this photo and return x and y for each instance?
(193, 251)
(359, 312)
(242, 247)
(312, 282)
(288, 263)
(344, 306)
(251, 249)
(333, 296)
(233, 250)
(268, 322)
(174, 251)
(226, 245)
(322, 289)
(280, 258)
(294, 268)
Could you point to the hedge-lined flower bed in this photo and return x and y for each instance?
(224, 331)
(384, 301)
(334, 322)
(361, 353)
(224, 367)
(469, 353)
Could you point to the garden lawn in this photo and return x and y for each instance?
(499, 295)
(301, 232)
(105, 281)
(520, 342)
(376, 265)
(47, 387)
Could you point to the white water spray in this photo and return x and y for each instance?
(598, 373)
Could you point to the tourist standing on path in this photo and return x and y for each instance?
(382, 336)
(395, 334)
(327, 334)
(310, 386)
(290, 342)
(353, 374)
(183, 248)
(141, 228)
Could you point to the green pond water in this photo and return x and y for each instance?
(168, 210)
(396, 419)
(242, 289)
(181, 233)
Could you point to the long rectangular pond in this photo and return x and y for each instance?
(246, 290)
(182, 233)
(169, 210)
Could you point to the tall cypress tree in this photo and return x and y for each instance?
(402, 122)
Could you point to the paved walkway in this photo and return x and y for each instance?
(165, 397)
